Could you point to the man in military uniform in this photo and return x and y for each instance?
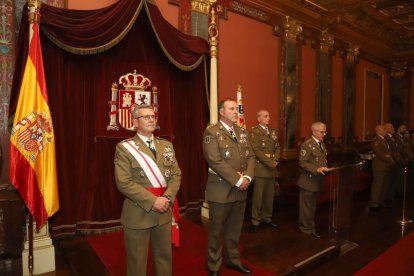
(231, 160)
(147, 173)
(397, 169)
(381, 166)
(403, 144)
(265, 145)
(312, 160)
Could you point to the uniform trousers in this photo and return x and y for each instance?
(263, 195)
(379, 188)
(225, 224)
(307, 210)
(136, 245)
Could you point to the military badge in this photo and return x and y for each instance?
(274, 136)
(167, 173)
(243, 137)
(168, 154)
(142, 173)
(303, 152)
(263, 144)
(207, 139)
(227, 154)
(247, 152)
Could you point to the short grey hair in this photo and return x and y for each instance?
(260, 112)
(137, 108)
(317, 125)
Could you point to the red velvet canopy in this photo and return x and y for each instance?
(84, 52)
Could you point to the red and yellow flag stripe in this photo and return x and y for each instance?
(32, 141)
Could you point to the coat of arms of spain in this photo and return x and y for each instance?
(131, 89)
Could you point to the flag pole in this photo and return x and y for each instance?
(30, 234)
(34, 15)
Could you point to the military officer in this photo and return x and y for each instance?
(147, 173)
(231, 160)
(312, 160)
(265, 145)
(395, 183)
(381, 166)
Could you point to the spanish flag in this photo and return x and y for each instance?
(32, 142)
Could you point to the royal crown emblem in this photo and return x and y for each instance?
(131, 89)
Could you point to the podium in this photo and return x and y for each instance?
(341, 197)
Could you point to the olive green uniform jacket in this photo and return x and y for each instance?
(132, 181)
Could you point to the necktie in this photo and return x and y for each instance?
(267, 131)
(320, 145)
(233, 134)
(151, 147)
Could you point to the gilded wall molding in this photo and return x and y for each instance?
(352, 52)
(250, 11)
(292, 28)
(398, 69)
(326, 41)
(202, 6)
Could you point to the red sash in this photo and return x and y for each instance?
(175, 234)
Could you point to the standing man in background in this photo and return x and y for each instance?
(147, 173)
(397, 169)
(381, 166)
(265, 145)
(312, 160)
(231, 160)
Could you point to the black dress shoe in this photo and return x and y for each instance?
(316, 235)
(271, 224)
(240, 268)
(255, 228)
(213, 273)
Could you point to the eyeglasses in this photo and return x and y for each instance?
(322, 132)
(148, 117)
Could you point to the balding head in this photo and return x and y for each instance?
(380, 130)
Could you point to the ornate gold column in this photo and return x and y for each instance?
(349, 93)
(289, 84)
(324, 79)
(399, 93)
(213, 41)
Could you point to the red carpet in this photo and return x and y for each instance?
(188, 259)
(397, 260)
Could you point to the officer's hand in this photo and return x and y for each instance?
(161, 204)
(322, 170)
(274, 164)
(244, 185)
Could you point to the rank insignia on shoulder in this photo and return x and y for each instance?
(207, 139)
(303, 152)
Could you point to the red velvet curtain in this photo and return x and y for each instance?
(85, 52)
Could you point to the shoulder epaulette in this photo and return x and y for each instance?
(211, 125)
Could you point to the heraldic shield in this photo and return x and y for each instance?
(131, 89)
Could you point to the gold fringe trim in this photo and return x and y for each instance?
(172, 60)
(99, 49)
